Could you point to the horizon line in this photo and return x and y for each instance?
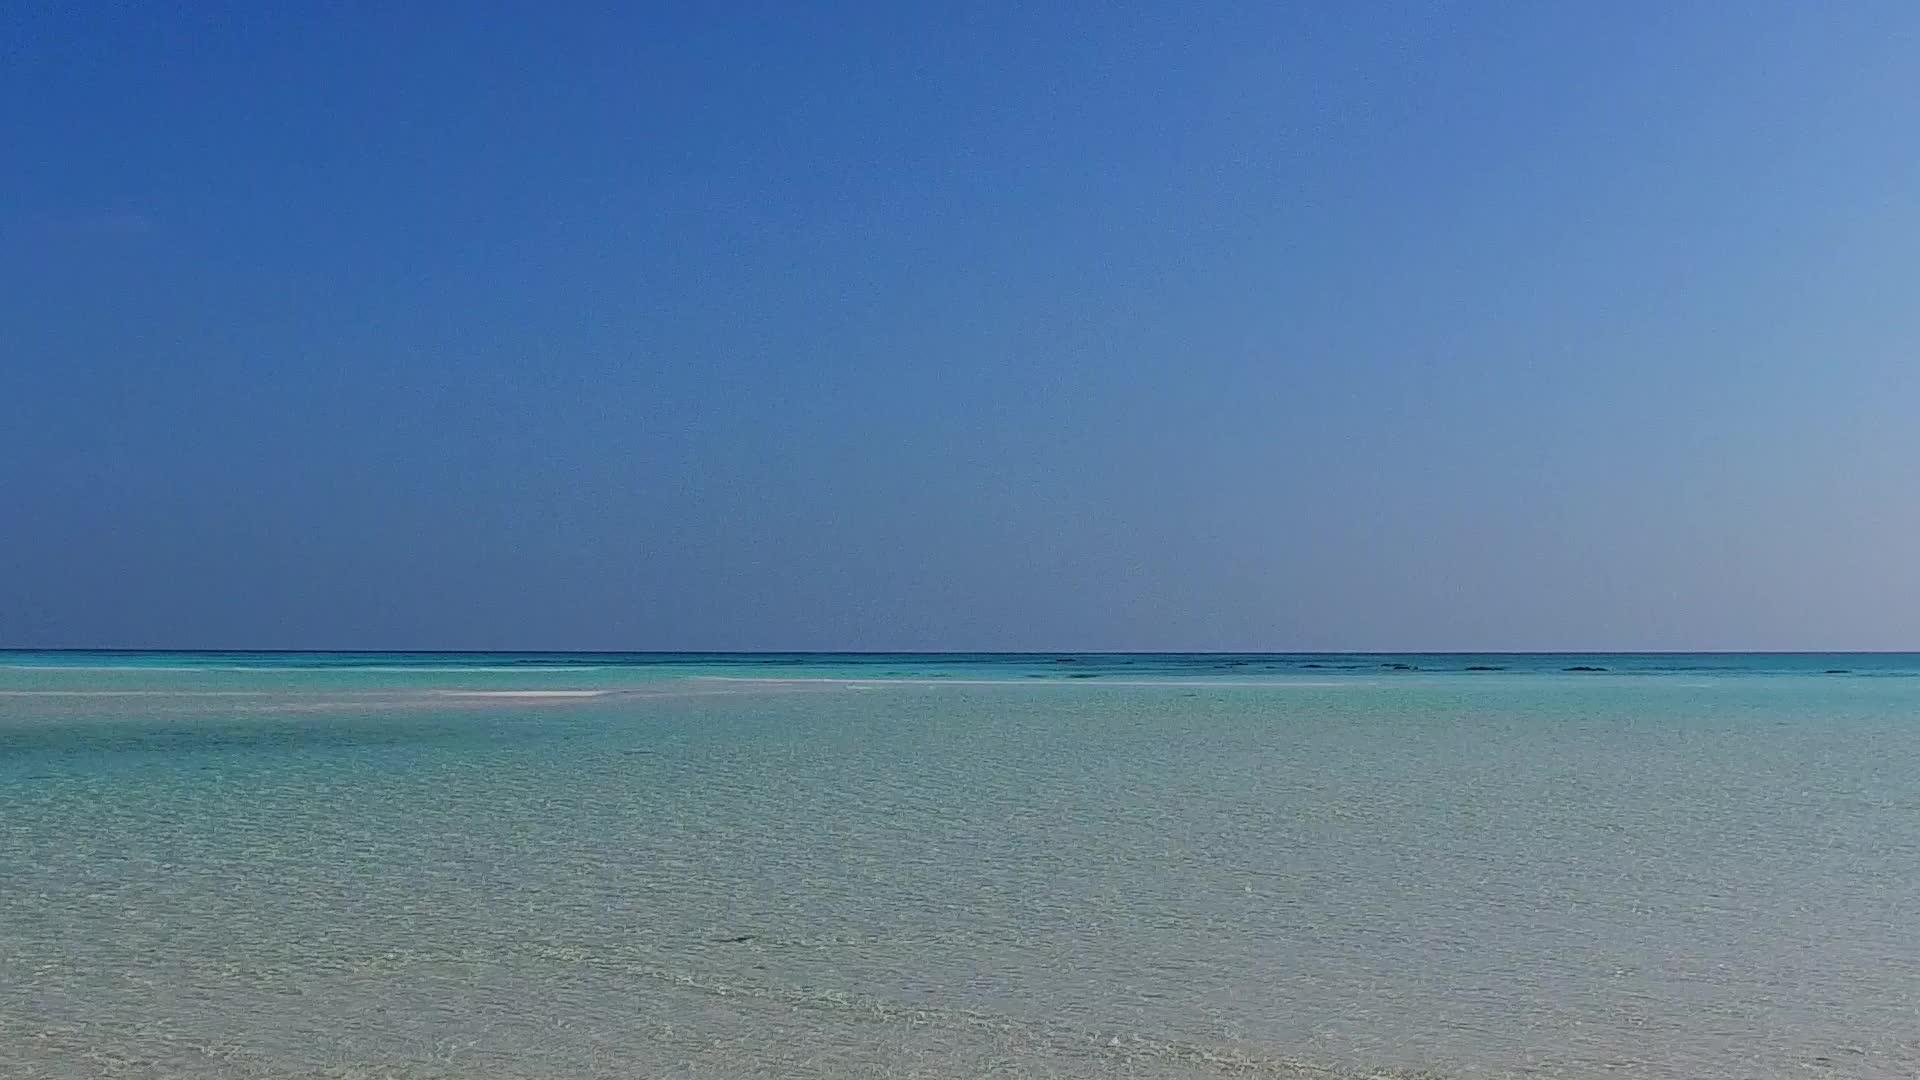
(953, 652)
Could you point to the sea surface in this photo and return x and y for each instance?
(401, 866)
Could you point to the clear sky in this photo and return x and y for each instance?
(1321, 326)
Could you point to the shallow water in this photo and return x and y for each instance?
(320, 866)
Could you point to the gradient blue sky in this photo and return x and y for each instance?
(1171, 326)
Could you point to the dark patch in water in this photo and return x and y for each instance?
(1400, 667)
(42, 776)
(740, 940)
(636, 753)
(1583, 667)
(1083, 675)
(1839, 671)
(1484, 667)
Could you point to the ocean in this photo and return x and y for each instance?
(401, 866)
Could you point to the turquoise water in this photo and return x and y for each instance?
(540, 865)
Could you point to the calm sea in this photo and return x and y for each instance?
(563, 866)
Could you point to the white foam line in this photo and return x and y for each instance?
(521, 693)
(869, 684)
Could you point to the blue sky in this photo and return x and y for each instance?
(1322, 326)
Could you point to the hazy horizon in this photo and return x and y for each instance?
(1360, 328)
(215, 651)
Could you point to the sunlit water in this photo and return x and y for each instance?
(313, 866)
